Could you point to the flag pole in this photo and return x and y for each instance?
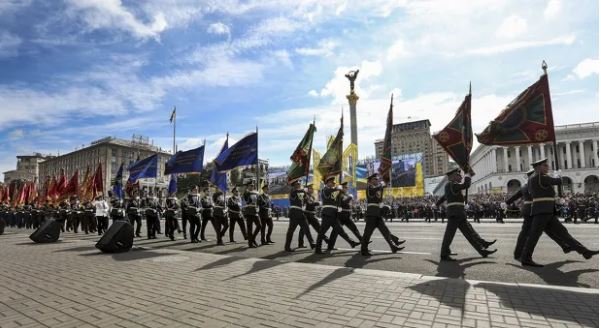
(560, 186)
(390, 169)
(258, 169)
(174, 119)
(467, 155)
(341, 142)
(310, 154)
(204, 144)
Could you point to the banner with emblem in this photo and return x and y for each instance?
(386, 158)
(243, 153)
(528, 119)
(219, 179)
(331, 162)
(186, 161)
(301, 156)
(456, 138)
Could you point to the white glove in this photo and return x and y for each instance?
(557, 174)
(383, 184)
(468, 175)
(338, 187)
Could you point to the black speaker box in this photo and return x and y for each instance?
(48, 232)
(118, 238)
(2, 225)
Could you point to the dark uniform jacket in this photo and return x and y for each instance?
(454, 197)
(297, 199)
(524, 194)
(250, 200)
(329, 198)
(207, 206)
(345, 201)
(234, 204)
(310, 203)
(374, 199)
(264, 203)
(543, 193)
(219, 202)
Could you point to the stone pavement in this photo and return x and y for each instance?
(71, 284)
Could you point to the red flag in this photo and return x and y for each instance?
(528, 119)
(61, 184)
(97, 182)
(456, 137)
(72, 187)
(32, 195)
(52, 195)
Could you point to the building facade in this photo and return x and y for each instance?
(111, 153)
(502, 169)
(415, 137)
(28, 167)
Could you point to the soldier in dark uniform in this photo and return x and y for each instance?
(219, 215)
(329, 216)
(311, 205)
(296, 215)
(192, 215)
(264, 203)
(152, 214)
(234, 207)
(207, 213)
(456, 216)
(373, 217)
(117, 211)
(171, 216)
(75, 214)
(251, 214)
(540, 187)
(133, 214)
(527, 223)
(344, 216)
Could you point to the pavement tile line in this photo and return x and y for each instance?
(316, 304)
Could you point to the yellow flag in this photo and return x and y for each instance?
(316, 174)
(349, 163)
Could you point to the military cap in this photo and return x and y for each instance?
(265, 186)
(295, 181)
(539, 162)
(328, 179)
(310, 185)
(345, 183)
(529, 173)
(456, 170)
(375, 175)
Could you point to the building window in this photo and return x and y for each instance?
(509, 168)
(508, 154)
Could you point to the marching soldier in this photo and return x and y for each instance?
(192, 215)
(310, 207)
(527, 223)
(220, 216)
(296, 215)
(251, 211)
(264, 203)
(133, 214)
(373, 217)
(207, 214)
(171, 216)
(456, 216)
(152, 216)
(329, 212)
(234, 206)
(540, 187)
(74, 215)
(344, 216)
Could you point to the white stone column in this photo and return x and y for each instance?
(529, 155)
(505, 160)
(581, 149)
(569, 155)
(517, 158)
(561, 166)
(494, 160)
(595, 149)
(541, 149)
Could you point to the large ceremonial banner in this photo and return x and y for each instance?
(407, 176)
(186, 161)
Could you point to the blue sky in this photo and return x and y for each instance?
(77, 70)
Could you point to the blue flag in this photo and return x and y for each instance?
(242, 153)
(186, 161)
(118, 183)
(146, 168)
(172, 185)
(217, 178)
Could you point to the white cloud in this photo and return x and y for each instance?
(553, 9)
(112, 14)
(283, 57)
(586, 68)
(16, 134)
(397, 50)
(313, 93)
(325, 48)
(338, 86)
(512, 27)
(9, 44)
(219, 28)
(507, 47)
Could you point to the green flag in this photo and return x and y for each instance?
(331, 162)
(301, 156)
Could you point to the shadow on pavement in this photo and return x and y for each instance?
(137, 255)
(221, 262)
(551, 274)
(534, 299)
(456, 269)
(257, 266)
(77, 249)
(174, 243)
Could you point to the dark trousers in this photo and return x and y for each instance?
(542, 223)
(346, 221)
(84, 220)
(170, 225)
(221, 226)
(151, 226)
(266, 227)
(185, 224)
(102, 223)
(371, 223)
(330, 220)
(136, 220)
(252, 234)
(236, 218)
(205, 221)
(194, 227)
(73, 222)
(313, 222)
(453, 223)
(526, 226)
(297, 218)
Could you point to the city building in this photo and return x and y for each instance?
(415, 137)
(27, 167)
(111, 153)
(502, 169)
